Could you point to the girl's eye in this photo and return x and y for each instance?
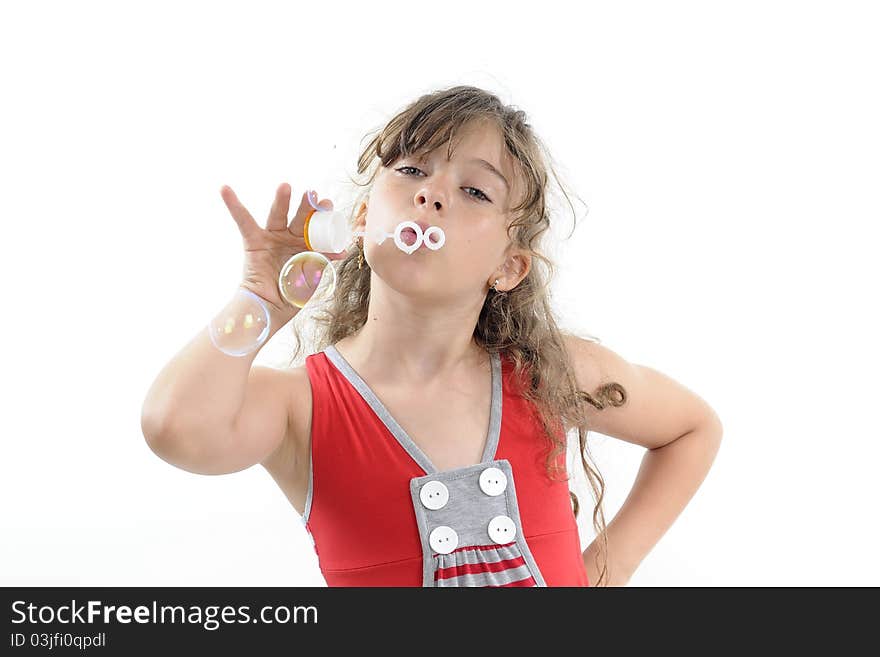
(480, 196)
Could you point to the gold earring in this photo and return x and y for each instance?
(361, 254)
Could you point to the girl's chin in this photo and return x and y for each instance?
(408, 277)
(401, 260)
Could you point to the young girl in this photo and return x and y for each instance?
(423, 443)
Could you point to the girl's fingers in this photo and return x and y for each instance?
(278, 214)
(246, 224)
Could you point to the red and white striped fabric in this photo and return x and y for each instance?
(483, 565)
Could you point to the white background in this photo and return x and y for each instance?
(728, 157)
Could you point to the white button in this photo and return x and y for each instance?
(493, 481)
(443, 539)
(502, 529)
(434, 495)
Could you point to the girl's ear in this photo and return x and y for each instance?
(360, 219)
(514, 269)
(524, 265)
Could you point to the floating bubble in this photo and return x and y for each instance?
(242, 326)
(303, 275)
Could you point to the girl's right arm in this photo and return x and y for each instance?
(212, 413)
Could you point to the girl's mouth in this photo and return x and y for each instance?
(408, 235)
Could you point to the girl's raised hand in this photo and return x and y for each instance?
(267, 249)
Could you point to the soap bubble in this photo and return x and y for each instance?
(303, 275)
(242, 326)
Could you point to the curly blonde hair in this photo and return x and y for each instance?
(519, 322)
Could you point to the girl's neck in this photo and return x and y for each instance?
(415, 362)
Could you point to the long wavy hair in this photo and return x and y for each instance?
(520, 322)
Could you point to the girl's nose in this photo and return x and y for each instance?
(421, 199)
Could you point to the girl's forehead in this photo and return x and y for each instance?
(475, 143)
(475, 140)
(480, 147)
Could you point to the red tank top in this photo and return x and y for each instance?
(380, 514)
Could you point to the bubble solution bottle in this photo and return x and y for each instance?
(327, 231)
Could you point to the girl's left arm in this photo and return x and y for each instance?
(681, 432)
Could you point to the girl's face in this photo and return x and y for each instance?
(463, 196)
